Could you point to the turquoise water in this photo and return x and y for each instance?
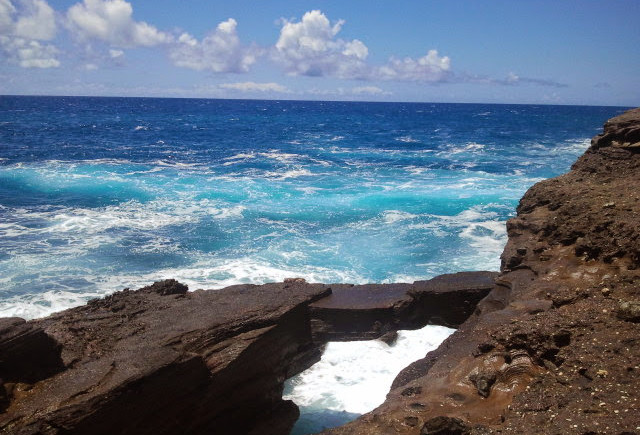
(98, 194)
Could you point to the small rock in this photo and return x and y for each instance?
(629, 311)
(483, 382)
(445, 426)
(389, 337)
(411, 391)
(295, 281)
(4, 399)
(602, 373)
(609, 205)
(166, 288)
(411, 421)
(484, 348)
(606, 291)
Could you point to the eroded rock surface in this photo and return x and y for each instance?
(364, 312)
(161, 360)
(555, 347)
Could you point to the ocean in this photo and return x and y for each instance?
(99, 194)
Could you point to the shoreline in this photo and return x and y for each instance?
(543, 348)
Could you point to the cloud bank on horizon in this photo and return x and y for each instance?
(97, 35)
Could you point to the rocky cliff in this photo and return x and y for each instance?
(551, 345)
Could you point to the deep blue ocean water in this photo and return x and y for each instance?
(98, 194)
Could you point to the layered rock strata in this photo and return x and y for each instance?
(161, 360)
(555, 347)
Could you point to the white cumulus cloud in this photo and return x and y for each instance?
(37, 21)
(23, 30)
(219, 51)
(310, 47)
(255, 87)
(29, 53)
(112, 21)
(429, 68)
(369, 90)
(515, 79)
(7, 10)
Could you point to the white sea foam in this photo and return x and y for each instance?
(207, 273)
(43, 304)
(356, 376)
(309, 190)
(293, 173)
(415, 170)
(178, 165)
(393, 216)
(147, 171)
(210, 273)
(277, 155)
(482, 229)
(89, 224)
(280, 156)
(471, 147)
(575, 146)
(407, 139)
(488, 237)
(141, 127)
(241, 156)
(229, 212)
(10, 229)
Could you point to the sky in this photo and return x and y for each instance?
(583, 52)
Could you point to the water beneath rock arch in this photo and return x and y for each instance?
(353, 378)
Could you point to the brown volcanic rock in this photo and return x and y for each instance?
(160, 360)
(363, 312)
(555, 347)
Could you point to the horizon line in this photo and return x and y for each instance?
(309, 100)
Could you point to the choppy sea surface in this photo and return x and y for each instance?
(98, 194)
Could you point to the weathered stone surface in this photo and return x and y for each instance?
(445, 426)
(358, 312)
(364, 312)
(622, 131)
(161, 361)
(629, 311)
(27, 354)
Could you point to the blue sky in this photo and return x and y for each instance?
(552, 52)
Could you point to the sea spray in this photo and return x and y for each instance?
(354, 377)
